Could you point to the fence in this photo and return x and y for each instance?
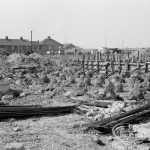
(112, 62)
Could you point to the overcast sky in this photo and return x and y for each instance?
(86, 23)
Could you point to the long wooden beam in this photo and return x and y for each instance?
(25, 111)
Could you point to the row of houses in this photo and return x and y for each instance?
(25, 46)
(51, 46)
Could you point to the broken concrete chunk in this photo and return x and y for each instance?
(118, 146)
(22, 94)
(14, 146)
(7, 98)
(18, 82)
(110, 139)
(4, 86)
(143, 147)
(17, 129)
(142, 131)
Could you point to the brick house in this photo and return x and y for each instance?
(36, 46)
(68, 46)
(15, 45)
(49, 45)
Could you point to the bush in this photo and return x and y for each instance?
(87, 81)
(89, 74)
(110, 88)
(99, 81)
(137, 77)
(71, 80)
(137, 93)
(119, 87)
(80, 82)
(62, 77)
(45, 79)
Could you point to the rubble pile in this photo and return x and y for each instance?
(39, 75)
(142, 131)
(22, 76)
(98, 114)
(113, 109)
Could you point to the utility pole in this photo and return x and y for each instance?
(31, 41)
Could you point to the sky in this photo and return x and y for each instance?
(85, 23)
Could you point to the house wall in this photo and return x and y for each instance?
(35, 48)
(15, 49)
(44, 48)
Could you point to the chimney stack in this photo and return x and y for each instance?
(48, 37)
(21, 38)
(6, 37)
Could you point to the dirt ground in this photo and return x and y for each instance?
(63, 132)
(49, 132)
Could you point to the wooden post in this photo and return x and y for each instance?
(83, 63)
(124, 59)
(107, 56)
(98, 66)
(106, 68)
(146, 67)
(96, 58)
(145, 58)
(128, 55)
(87, 65)
(112, 66)
(92, 66)
(132, 57)
(119, 67)
(119, 58)
(116, 57)
(100, 56)
(138, 64)
(113, 56)
(91, 57)
(97, 61)
(140, 58)
(138, 55)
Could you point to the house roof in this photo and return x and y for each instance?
(68, 46)
(14, 42)
(49, 41)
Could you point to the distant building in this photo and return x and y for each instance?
(49, 45)
(71, 49)
(15, 45)
(68, 46)
(119, 50)
(36, 46)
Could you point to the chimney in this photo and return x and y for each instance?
(6, 37)
(21, 38)
(48, 37)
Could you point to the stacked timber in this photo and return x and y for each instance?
(128, 117)
(28, 111)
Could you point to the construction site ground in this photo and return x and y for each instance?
(55, 85)
(49, 132)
